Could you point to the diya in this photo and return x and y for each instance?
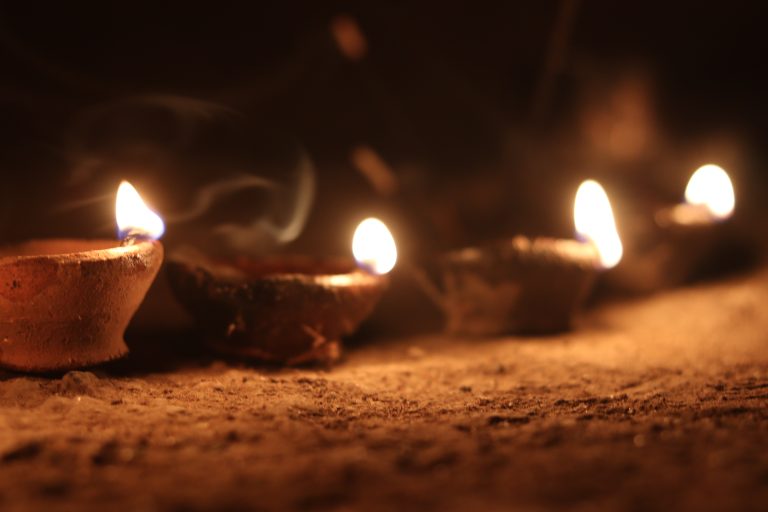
(65, 303)
(530, 286)
(285, 309)
(680, 241)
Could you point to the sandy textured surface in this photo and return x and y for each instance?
(659, 403)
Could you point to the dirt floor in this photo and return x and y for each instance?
(654, 404)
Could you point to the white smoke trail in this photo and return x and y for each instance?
(250, 237)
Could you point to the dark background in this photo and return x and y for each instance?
(488, 114)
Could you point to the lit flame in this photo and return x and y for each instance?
(134, 217)
(711, 187)
(373, 246)
(594, 221)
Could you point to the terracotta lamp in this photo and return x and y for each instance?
(65, 303)
(681, 240)
(285, 309)
(530, 286)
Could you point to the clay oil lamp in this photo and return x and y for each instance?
(530, 286)
(65, 303)
(288, 310)
(682, 239)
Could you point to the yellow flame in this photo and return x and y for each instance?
(134, 216)
(373, 246)
(593, 217)
(711, 187)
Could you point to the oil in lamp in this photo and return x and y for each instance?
(530, 286)
(285, 309)
(65, 303)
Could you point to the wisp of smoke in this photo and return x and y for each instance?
(250, 237)
(201, 146)
(76, 204)
(211, 193)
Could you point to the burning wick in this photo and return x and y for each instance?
(135, 220)
(373, 247)
(709, 196)
(709, 199)
(593, 218)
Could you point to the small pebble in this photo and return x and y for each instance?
(78, 383)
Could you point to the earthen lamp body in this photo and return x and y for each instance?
(517, 286)
(292, 310)
(65, 303)
(678, 244)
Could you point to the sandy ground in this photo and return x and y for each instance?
(655, 404)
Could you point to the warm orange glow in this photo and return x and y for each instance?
(593, 217)
(349, 37)
(134, 216)
(711, 187)
(373, 246)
